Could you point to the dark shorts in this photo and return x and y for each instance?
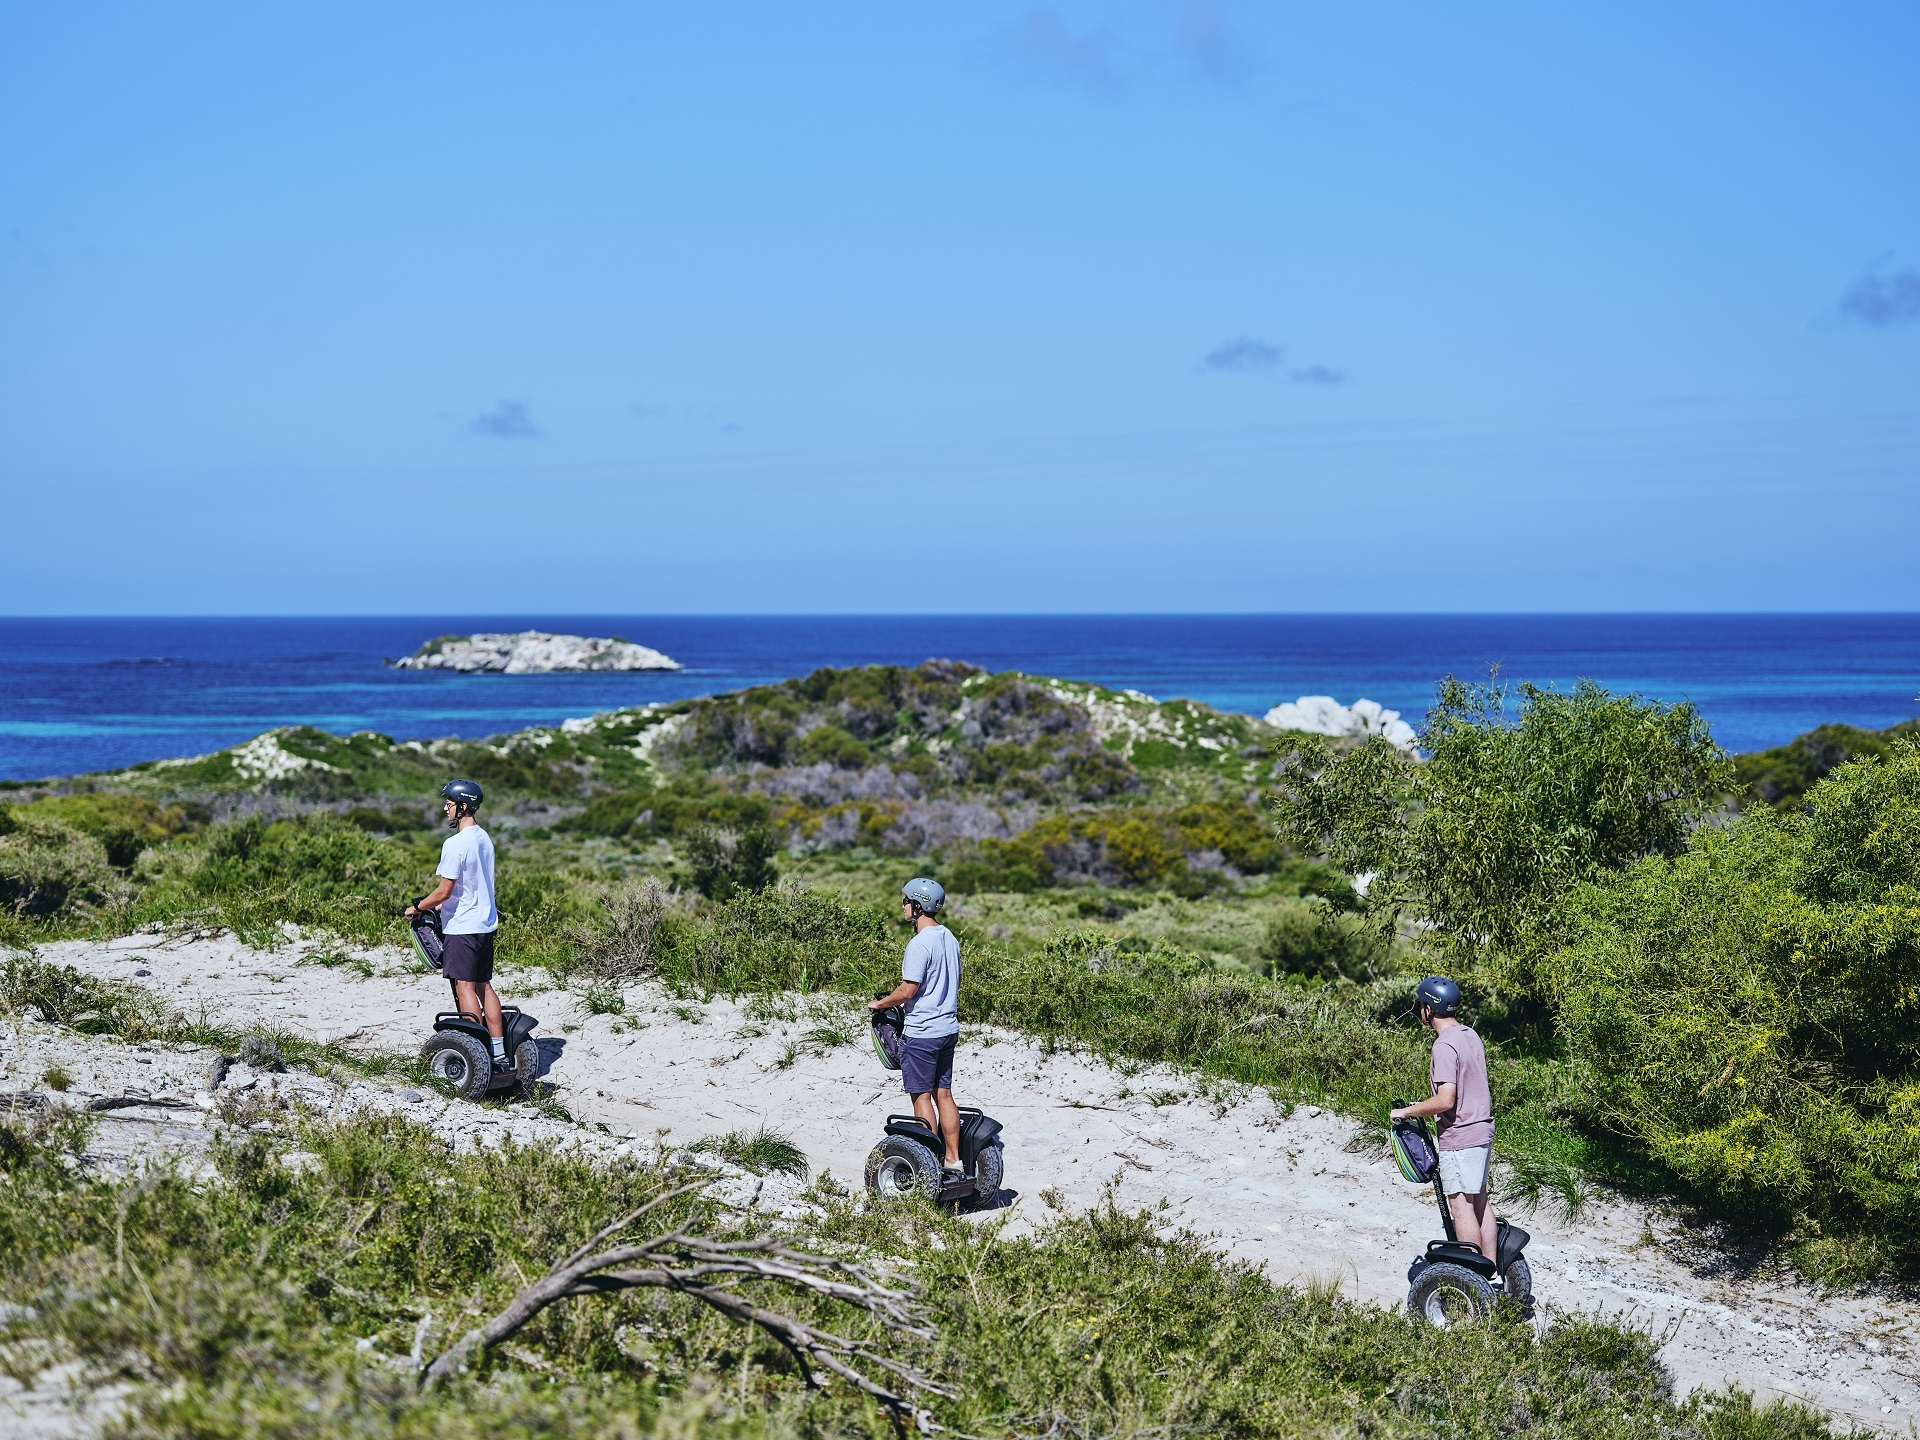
(469, 957)
(926, 1063)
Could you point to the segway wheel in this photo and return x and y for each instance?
(1518, 1280)
(526, 1067)
(1447, 1295)
(989, 1173)
(898, 1167)
(461, 1061)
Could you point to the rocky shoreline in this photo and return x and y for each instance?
(533, 652)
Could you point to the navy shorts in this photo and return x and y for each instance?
(468, 957)
(926, 1062)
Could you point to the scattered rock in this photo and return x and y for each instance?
(1323, 715)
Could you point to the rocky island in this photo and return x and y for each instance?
(533, 652)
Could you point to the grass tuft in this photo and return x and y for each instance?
(764, 1151)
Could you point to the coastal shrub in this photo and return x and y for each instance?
(125, 825)
(1317, 942)
(1511, 809)
(789, 937)
(831, 745)
(1191, 850)
(51, 871)
(1125, 848)
(684, 804)
(282, 1303)
(612, 815)
(1236, 833)
(1749, 1010)
(61, 995)
(623, 941)
(725, 862)
(1156, 1002)
(1782, 776)
(250, 875)
(397, 820)
(522, 771)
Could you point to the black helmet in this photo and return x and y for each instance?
(466, 797)
(1438, 994)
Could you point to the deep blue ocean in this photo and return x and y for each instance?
(93, 694)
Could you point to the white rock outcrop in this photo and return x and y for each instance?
(533, 652)
(1323, 715)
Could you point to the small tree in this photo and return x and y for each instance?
(726, 861)
(1749, 1011)
(1512, 808)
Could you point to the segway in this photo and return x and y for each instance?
(909, 1158)
(1453, 1282)
(460, 1051)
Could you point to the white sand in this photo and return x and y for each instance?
(1281, 1191)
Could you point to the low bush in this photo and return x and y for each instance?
(317, 870)
(1747, 1010)
(282, 1303)
(786, 938)
(50, 871)
(61, 995)
(1782, 776)
(612, 815)
(624, 940)
(1186, 850)
(1315, 941)
(725, 862)
(124, 824)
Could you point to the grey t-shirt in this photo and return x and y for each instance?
(932, 962)
(1460, 1060)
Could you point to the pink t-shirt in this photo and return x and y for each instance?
(1460, 1060)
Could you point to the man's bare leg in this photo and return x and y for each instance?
(479, 999)
(940, 1114)
(949, 1125)
(1475, 1222)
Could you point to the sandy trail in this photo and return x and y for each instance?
(1281, 1191)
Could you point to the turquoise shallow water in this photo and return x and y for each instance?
(91, 694)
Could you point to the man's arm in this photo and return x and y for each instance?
(902, 993)
(434, 898)
(1439, 1103)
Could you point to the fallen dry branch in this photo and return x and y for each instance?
(702, 1267)
(11, 1100)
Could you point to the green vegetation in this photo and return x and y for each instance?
(1782, 776)
(1485, 838)
(763, 1152)
(1120, 886)
(1747, 1010)
(1736, 1000)
(287, 1299)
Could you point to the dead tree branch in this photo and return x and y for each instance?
(705, 1268)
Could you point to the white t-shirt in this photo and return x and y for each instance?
(467, 860)
(932, 962)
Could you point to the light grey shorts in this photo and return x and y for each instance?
(1464, 1172)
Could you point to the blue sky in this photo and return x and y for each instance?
(1131, 307)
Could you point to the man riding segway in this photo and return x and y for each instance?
(929, 990)
(463, 895)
